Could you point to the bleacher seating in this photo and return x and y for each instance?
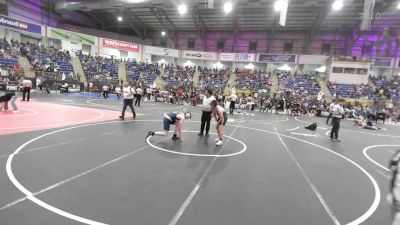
(98, 65)
(178, 76)
(214, 78)
(305, 84)
(147, 72)
(47, 59)
(254, 81)
(6, 58)
(353, 91)
(390, 88)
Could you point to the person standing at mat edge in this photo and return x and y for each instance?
(26, 89)
(221, 117)
(337, 114)
(233, 98)
(206, 112)
(330, 112)
(128, 92)
(139, 93)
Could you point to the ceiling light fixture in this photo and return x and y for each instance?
(135, 1)
(119, 18)
(163, 33)
(398, 5)
(182, 9)
(279, 5)
(337, 5)
(228, 7)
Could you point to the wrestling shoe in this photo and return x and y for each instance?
(121, 117)
(174, 137)
(151, 133)
(219, 142)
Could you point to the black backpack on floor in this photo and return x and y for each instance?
(312, 126)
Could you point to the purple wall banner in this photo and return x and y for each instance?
(20, 25)
(382, 62)
(276, 58)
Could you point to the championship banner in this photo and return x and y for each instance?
(160, 51)
(199, 55)
(120, 45)
(237, 57)
(266, 58)
(382, 62)
(20, 25)
(71, 36)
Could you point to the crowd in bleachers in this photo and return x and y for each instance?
(7, 58)
(213, 77)
(96, 65)
(252, 80)
(388, 88)
(47, 59)
(301, 84)
(141, 71)
(361, 91)
(178, 76)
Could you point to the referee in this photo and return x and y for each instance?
(233, 98)
(206, 114)
(26, 89)
(337, 114)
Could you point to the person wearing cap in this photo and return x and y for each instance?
(173, 118)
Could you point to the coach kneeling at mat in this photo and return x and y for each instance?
(206, 114)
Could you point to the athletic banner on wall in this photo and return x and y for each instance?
(160, 51)
(237, 57)
(20, 25)
(199, 55)
(70, 36)
(120, 45)
(381, 62)
(266, 58)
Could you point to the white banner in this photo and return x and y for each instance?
(160, 51)
(313, 59)
(199, 55)
(237, 57)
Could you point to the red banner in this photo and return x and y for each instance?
(125, 46)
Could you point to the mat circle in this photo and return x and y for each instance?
(202, 155)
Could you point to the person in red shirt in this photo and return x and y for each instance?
(180, 96)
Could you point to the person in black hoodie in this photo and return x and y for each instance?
(4, 99)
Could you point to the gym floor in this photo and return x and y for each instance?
(66, 159)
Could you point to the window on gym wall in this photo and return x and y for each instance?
(362, 71)
(349, 70)
(337, 70)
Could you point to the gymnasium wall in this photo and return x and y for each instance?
(370, 45)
